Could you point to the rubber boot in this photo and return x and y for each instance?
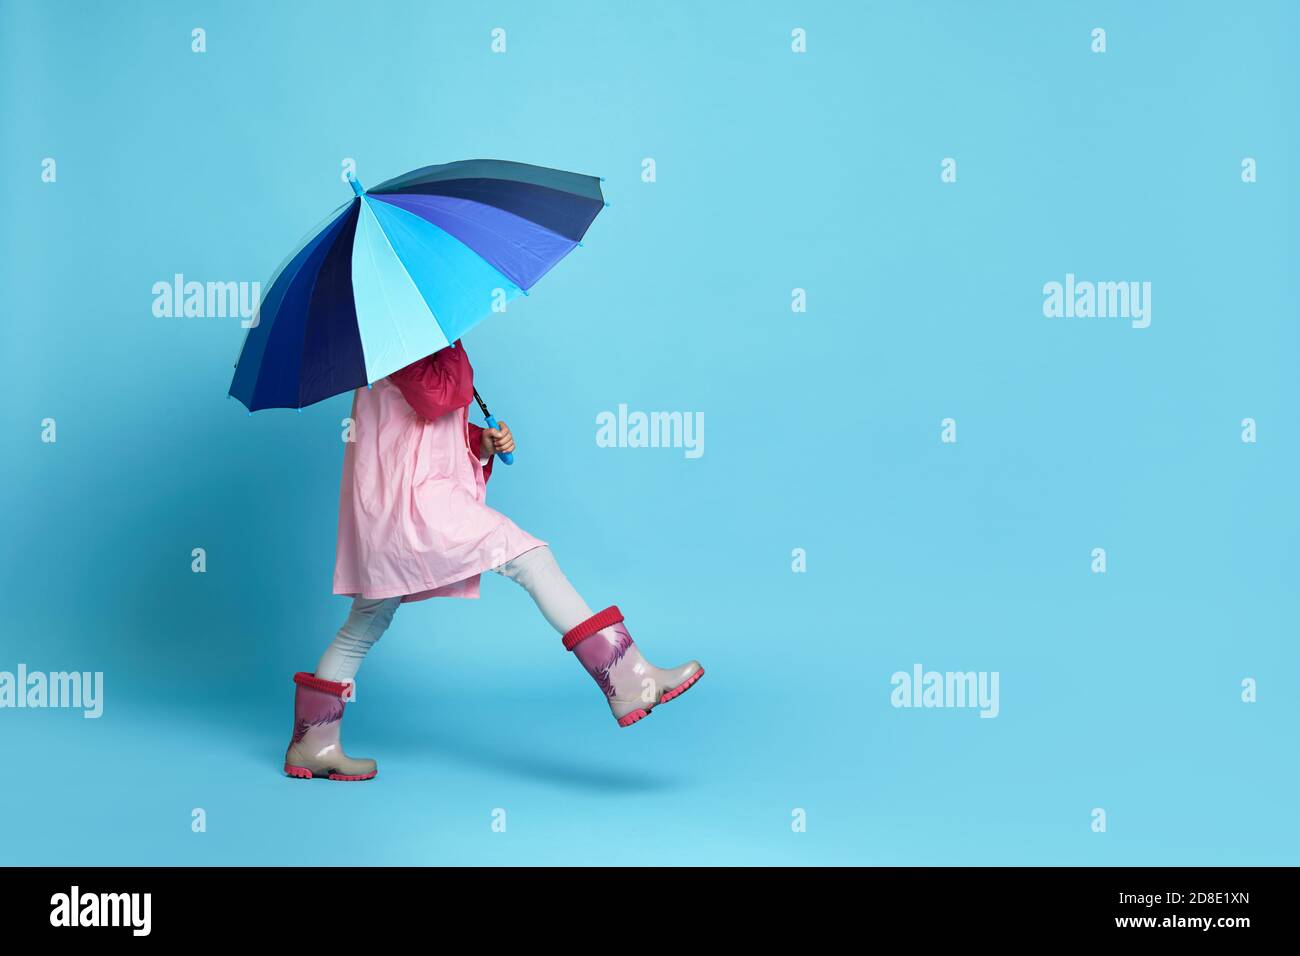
(633, 686)
(315, 750)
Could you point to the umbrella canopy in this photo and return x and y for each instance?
(405, 269)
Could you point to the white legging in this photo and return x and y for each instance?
(535, 570)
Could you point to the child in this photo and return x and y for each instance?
(413, 525)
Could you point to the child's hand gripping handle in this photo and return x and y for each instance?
(507, 457)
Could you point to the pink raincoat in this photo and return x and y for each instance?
(412, 517)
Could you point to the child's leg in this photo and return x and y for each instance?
(315, 749)
(366, 623)
(632, 685)
(538, 574)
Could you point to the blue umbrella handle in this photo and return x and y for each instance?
(508, 457)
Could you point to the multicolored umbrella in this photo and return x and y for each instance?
(404, 270)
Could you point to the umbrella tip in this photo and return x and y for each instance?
(607, 205)
(356, 186)
(602, 179)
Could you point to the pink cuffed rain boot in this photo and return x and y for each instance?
(315, 750)
(633, 686)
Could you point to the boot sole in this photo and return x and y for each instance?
(627, 720)
(303, 773)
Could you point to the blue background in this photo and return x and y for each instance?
(775, 171)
